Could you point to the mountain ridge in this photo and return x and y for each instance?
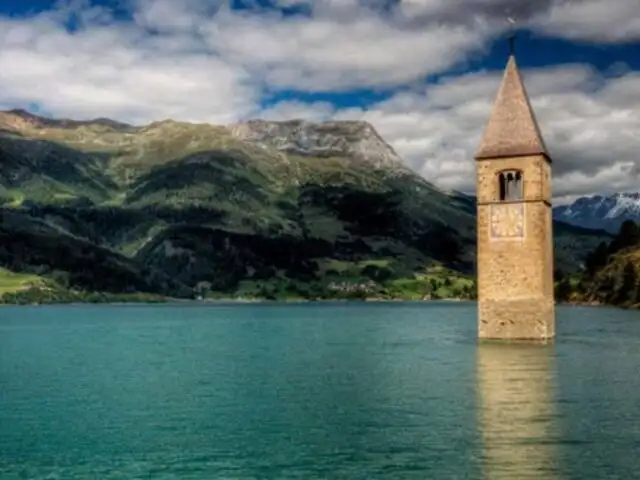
(606, 212)
(228, 206)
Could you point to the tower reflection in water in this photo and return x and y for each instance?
(516, 411)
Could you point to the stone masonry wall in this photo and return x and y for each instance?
(515, 275)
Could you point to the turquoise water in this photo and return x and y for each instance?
(313, 391)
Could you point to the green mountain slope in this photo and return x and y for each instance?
(46, 172)
(286, 208)
(611, 275)
(31, 245)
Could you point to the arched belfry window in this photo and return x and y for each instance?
(503, 186)
(510, 185)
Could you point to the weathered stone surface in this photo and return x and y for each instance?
(515, 257)
(356, 139)
(512, 129)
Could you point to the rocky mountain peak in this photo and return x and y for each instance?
(356, 139)
(20, 120)
(601, 211)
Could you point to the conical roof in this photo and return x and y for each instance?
(512, 129)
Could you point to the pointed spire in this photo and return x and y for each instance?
(512, 129)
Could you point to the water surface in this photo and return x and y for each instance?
(395, 390)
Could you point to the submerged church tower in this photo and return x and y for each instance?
(515, 242)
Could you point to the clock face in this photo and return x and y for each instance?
(507, 220)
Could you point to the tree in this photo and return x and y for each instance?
(473, 290)
(563, 290)
(627, 289)
(629, 233)
(60, 277)
(628, 236)
(582, 286)
(377, 273)
(636, 298)
(558, 275)
(596, 259)
(267, 292)
(606, 289)
(202, 288)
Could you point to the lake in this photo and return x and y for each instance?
(357, 391)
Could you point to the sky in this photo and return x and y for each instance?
(424, 73)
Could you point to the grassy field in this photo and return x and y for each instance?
(14, 282)
(370, 279)
(435, 282)
(29, 289)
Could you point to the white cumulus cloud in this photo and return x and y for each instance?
(198, 60)
(590, 124)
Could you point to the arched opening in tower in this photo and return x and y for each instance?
(510, 185)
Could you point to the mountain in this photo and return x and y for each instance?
(612, 272)
(600, 212)
(258, 208)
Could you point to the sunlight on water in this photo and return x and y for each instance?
(517, 415)
(365, 391)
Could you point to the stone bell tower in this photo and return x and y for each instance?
(515, 240)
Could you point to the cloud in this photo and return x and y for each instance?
(340, 45)
(115, 70)
(198, 60)
(610, 21)
(589, 123)
(462, 11)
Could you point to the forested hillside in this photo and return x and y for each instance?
(253, 210)
(611, 274)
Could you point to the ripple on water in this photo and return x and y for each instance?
(322, 391)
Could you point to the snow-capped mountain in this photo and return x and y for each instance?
(600, 212)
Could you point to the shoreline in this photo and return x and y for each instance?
(236, 300)
(248, 301)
